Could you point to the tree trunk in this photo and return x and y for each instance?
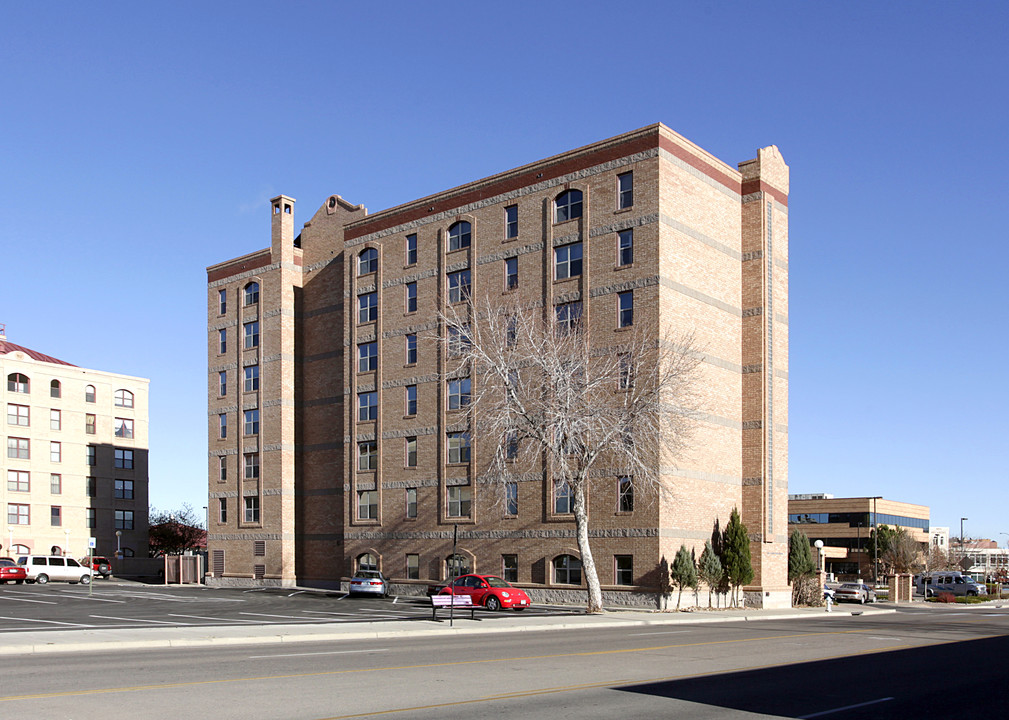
(679, 594)
(595, 599)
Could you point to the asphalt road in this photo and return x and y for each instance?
(923, 662)
(61, 606)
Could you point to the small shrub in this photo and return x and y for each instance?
(946, 597)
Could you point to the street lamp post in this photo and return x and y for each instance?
(10, 539)
(962, 555)
(875, 544)
(119, 551)
(66, 545)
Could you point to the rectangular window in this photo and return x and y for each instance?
(251, 378)
(222, 424)
(367, 307)
(92, 487)
(511, 498)
(124, 489)
(413, 567)
(367, 504)
(511, 221)
(512, 445)
(18, 481)
(251, 466)
(411, 249)
(55, 420)
(222, 510)
(458, 340)
(411, 502)
(222, 302)
(459, 286)
(90, 518)
(252, 422)
(563, 497)
(55, 484)
(411, 297)
(367, 357)
(90, 424)
(569, 316)
(625, 247)
(460, 500)
(367, 455)
(17, 415)
(623, 570)
(411, 349)
(55, 515)
(626, 372)
(124, 428)
(18, 514)
(411, 452)
(251, 335)
(568, 261)
(411, 399)
(55, 452)
(222, 381)
(458, 447)
(458, 393)
(252, 509)
(625, 495)
(510, 568)
(511, 273)
(222, 461)
(367, 406)
(625, 190)
(222, 341)
(625, 317)
(18, 448)
(124, 459)
(124, 519)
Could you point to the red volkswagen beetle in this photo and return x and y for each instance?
(489, 591)
(10, 570)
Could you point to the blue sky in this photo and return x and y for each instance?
(140, 142)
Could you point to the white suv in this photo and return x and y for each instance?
(43, 568)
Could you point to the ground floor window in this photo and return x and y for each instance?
(367, 561)
(623, 570)
(567, 570)
(510, 567)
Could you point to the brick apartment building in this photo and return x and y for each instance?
(76, 461)
(332, 438)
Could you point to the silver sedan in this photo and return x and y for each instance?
(855, 592)
(369, 582)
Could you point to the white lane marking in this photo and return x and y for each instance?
(74, 596)
(661, 632)
(51, 622)
(44, 602)
(323, 612)
(217, 619)
(332, 652)
(888, 639)
(296, 592)
(846, 707)
(288, 617)
(159, 622)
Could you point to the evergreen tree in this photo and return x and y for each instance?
(683, 572)
(709, 569)
(736, 554)
(800, 558)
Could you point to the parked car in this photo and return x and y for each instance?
(99, 564)
(489, 591)
(856, 592)
(10, 570)
(949, 581)
(369, 582)
(43, 568)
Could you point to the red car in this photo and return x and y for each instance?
(10, 570)
(488, 591)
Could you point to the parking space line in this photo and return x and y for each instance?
(15, 599)
(81, 596)
(159, 622)
(215, 619)
(289, 617)
(51, 622)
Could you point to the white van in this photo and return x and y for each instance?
(43, 568)
(948, 581)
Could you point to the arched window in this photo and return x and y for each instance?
(124, 398)
(460, 235)
(367, 561)
(89, 393)
(568, 206)
(20, 549)
(252, 293)
(456, 565)
(567, 570)
(18, 382)
(55, 390)
(367, 261)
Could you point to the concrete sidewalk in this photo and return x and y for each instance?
(119, 639)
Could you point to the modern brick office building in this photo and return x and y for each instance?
(333, 440)
(76, 460)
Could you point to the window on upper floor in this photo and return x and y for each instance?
(511, 498)
(222, 302)
(625, 247)
(124, 428)
(55, 420)
(458, 447)
(252, 509)
(411, 249)
(124, 398)
(222, 382)
(18, 448)
(568, 206)
(625, 190)
(251, 466)
(18, 382)
(251, 293)
(18, 514)
(569, 317)
(367, 261)
(460, 235)
(124, 520)
(123, 489)
(367, 307)
(367, 406)
(252, 422)
(90, 395)
(411, 297)
(367, 357)
(55, 483)
(511, 221)
(459, 501)
(411, 349)
(568, 261)
(511, 268)
(367, 504)
(625, 494)
(367, 455)
(55, 389)
(563, 497)
(90, 423)
(251, 335)
(123, 459)
(411, 400)
(411, 455)
(222, 341)
(18, 415)
(18, 481)
(459, 286)
(458, 393)
(251, 382)
(625, 309)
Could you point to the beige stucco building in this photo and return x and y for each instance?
(76, 460)
(333, 443)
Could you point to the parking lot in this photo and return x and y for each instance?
(118, 604)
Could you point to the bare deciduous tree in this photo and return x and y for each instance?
(546, 400)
